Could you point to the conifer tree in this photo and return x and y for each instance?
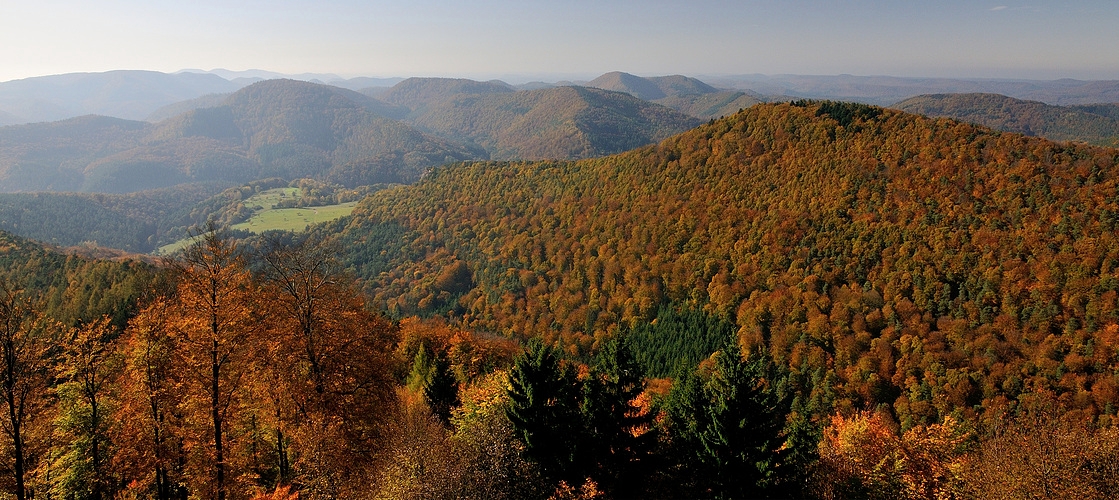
(616, 426)
(441, 389)
(544, 410)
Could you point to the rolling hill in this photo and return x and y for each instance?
(925, 266)
(651, 89)
(686, 95)
(1091, 124)
(559, 123)
(281, 128)
(418, 95)
(130, 95)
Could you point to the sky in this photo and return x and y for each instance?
(521, 40)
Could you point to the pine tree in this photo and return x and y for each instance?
(544, 410)
(616, 426)
(441, 389)
(728, 430)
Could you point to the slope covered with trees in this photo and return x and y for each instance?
(1092, 124)
(686, 95)
(561, 122)
(276, 128)
(922, 266)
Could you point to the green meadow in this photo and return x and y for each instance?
(266, 217)
(293, 219)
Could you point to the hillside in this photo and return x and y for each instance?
(275, 128)
(561, 122)
(712, 105)
(297, 129)
(177, 108)
(689, 96)
(53, 156)
(925, 266)
(1058, 123)
(651, 89)
(418, 95)
(133, 222)
(122, 94)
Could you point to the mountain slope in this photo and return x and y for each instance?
(275, 128)
(711, 105)
(418, 95)
(298, 129)
(561, 122)
(651, 89)
(52, 156)
(926, 265)
(1058, 123)
(122, 94)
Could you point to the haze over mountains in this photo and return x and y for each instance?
(137, 94)
(1095, 123)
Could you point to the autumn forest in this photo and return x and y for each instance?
(806, 299)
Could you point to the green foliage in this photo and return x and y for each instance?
(544, 410)
(441, 389)
(677, 339)
(847, 113)
(616, 436)
(729, 427)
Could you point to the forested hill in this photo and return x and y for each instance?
(923, 264)
(554, 123)
(281, 128)
(1094, 124)
(686, 95)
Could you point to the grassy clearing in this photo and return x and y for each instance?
(265, 217)
(293, 219)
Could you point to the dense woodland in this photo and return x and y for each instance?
(804, 300)
(924, 270)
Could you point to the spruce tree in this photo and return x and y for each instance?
(441, 389)
(544, 410)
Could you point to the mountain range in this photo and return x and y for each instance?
(137, 95)
(1095, 124)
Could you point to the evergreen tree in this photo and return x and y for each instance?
(729, 429)
(441, 389)
(616, 434)
(544, 410)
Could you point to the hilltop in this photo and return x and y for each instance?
(922, 264)
(556, 123)
(684, 94)
(282, 128)
(1095, 124)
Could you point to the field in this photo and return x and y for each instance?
(293, 219)
(266, 217)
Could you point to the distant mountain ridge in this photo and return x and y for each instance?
(1095, 124)
(122, 94)
(886, 90)
(293, 129)
(558, 123)
(686, 95)
(281, 128)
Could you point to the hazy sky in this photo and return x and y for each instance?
(566, 38)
